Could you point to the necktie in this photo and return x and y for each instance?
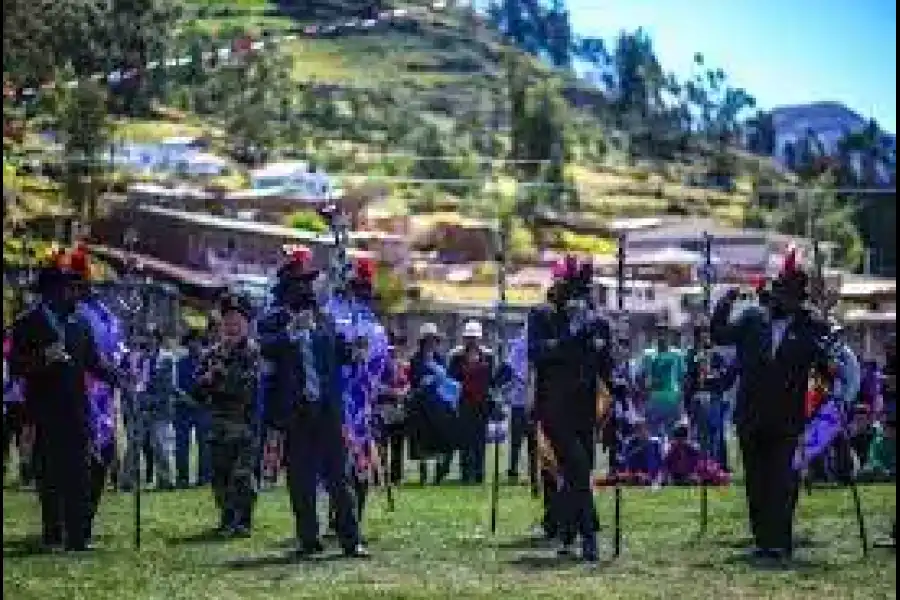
(311, 376)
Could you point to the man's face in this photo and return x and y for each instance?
(786, 298)
(641, 431)
(470, 342)
(703, 338)
(63, 297)
(429, 343)
(304, 318)
(234, 326)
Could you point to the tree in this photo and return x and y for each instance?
(86, 36)
(252, 95)
(390, 291)
(761, 134)
(818, 212)
(86, 133)
(306, 220)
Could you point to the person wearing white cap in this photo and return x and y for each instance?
(472, 364)
(421, 383)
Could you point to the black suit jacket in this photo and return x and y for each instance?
(56, 392)
(771, 395)
(567, 371)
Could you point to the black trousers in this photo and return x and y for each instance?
(771, 485)
(551, 522)
(361, 492)
(573, 445)
(474, 422)
(64, 486)
(522, 430)
(99, 470)
(316, 449)
(13, 432)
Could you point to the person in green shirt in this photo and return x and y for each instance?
(663, 374)
(882, 463)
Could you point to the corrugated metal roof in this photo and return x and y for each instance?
(270, 229)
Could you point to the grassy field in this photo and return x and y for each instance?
(437, 544)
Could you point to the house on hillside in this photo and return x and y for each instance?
(186, 156)
(210, 243)
(295, 178)
(455, 239)
(744, 252)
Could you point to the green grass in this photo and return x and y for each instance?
(437, 544)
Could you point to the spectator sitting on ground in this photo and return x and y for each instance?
(642, 459)
(683, 457)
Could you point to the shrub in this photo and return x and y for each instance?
(306, 220)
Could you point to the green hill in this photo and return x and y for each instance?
(370, 102)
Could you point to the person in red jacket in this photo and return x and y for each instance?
(472, 364)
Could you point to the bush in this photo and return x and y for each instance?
(306, 220)
(576, 242)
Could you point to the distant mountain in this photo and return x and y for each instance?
(829, 123)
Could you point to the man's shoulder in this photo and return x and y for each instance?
(28, 318)
(539, 311)
(274, 315)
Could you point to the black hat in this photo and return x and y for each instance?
(235, 303)
(293, 271)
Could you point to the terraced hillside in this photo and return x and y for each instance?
(428, 82)
(414, 102)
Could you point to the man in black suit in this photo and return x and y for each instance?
(778, 342)
(569, 350)
(53, 350)
(305, 355)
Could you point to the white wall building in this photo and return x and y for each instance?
(295, 178)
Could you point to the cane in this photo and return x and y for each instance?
(857, 504)
(620, 303)
(704, 442)
(501, 357)
(135, 464)
(386, 475)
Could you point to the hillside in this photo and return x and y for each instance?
(442, 73)
(415, 103)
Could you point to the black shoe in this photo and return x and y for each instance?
(307, 549)
(79, 546)
(51, 544)
(240, 532)
(589, 551)
(566, 549)
(357, 551)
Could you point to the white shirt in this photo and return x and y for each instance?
(779, 327)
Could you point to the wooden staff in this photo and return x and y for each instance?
(503, 238)
(620, 304)
(704, 442)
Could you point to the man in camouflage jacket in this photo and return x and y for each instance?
(227, 382)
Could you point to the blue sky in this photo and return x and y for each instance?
(781, 51)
